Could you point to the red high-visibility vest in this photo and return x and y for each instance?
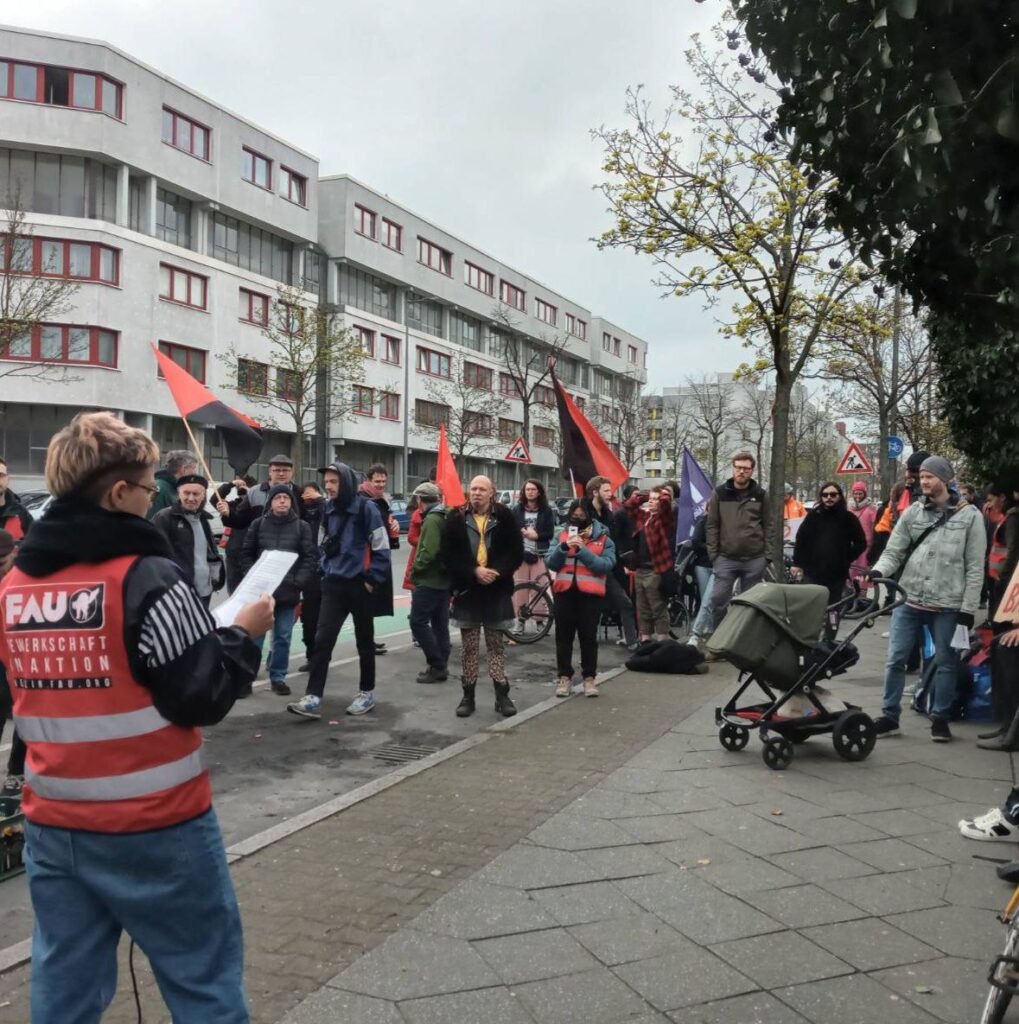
(588, 581)
(998, 555)
(100, 756)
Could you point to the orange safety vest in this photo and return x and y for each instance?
(998, 555)
(588, 581)
(100, 756)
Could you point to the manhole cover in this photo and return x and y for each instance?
(400, 753)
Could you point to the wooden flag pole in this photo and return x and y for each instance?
(198, 453)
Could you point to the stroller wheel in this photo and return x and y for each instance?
(854, 735)
(777, 753)
(733, 737)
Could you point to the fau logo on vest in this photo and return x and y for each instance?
(45, 606)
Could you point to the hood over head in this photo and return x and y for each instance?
(348, 483)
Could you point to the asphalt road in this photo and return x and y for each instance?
(268, 765)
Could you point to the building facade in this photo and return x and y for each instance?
(176, 222)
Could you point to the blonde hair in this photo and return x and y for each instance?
(92, 446)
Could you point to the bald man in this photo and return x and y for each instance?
(481, 548)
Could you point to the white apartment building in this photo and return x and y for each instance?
(178, 221)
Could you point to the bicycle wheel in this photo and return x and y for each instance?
(679, 617)
(998, 999)
(534, 617)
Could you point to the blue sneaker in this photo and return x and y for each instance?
(362, 703)
(309, 706)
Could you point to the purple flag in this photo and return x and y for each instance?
(694, 490)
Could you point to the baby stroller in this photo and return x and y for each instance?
(771, 634)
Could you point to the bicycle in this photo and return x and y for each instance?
(535, 606)
(1003, 977)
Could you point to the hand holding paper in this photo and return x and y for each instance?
(263, 578)
(960, 639)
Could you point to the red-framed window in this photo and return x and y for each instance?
(252, 377)
(434, 256)
(183, 286)
(191, 359)
(606, 342)
(186, 134)
(475, 277)
(546, 312)
(288, 384)
(580, 401)
(509, 385)
(390, 349)
(576, 326)
(434, 363)
(513, 296)
(60, 87)
(481, 424)
(60, 257)
(365, 221)
(477, 376)
(631, 353)
(392, 234)
(510, 430)
(367, 341)
(544, 395)
(430, 414)
(544, 437)
(291, 318)
(78, 344)
(363, 403)
(389, 406)
(256, 168)
(617, 347)
(293, 186)
(254, 307)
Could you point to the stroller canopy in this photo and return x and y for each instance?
(796, 609)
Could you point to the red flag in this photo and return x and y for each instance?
(585, 453)
(197, 403)
(446, 475)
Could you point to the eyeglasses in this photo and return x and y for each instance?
(151, 488)
(829, 494)
(743, 469)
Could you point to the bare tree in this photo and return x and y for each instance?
(474, 408)
(676, 435)
(756, 423)
(712, 415)
(813, 449)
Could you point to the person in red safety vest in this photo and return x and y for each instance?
(114, 665)
(581, 560)
(14, 517)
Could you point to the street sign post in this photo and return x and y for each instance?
(854, 461)
(896, 446)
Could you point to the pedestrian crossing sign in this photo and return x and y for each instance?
(518, 452)
(854, 461)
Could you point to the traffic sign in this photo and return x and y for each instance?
(518, 452)
(895, 446)
(854, 461)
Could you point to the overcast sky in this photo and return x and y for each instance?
(476, 115)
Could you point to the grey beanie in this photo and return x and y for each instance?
(428, 492)
(940, 467)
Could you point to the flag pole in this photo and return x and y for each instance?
(573, 483)
(198, 453)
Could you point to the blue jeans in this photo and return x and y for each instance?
(169, 889)
(705, 584)
(429, 623)
(904, 635)
(279, 656)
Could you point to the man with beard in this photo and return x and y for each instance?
(185, 524)
(374, 489)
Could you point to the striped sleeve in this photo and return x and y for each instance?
(175, 622)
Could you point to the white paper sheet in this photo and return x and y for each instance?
(960, 640)
(263, 578)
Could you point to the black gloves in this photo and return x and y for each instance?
(964, 619)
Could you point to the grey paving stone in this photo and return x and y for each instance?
(755, 1008)
(659, 828)
(786, 809)
(882, 894)
(886, 798)
(329, 1005)
(897, 822)
(683, 978)
(959, 986)
(682, 801)
(782, 959)
(749, 832)
(535, 867)
(747, 876)
(933, 881)
(625, 862)
(821, 863)
(870, 943)
(593, 997)
(950, 845)
(687, 852)
(491, 1005)
(477, 911)
(973, 885)
(837, 830)
(857, 999)
(410, 964)
(574, 832)
(957, 931)
(950, 812)
(981, 793)
(578, 904)
(634, 780)
(891, 855)
(535, 955)
(607, 803)
(622, 940)
(804, 905)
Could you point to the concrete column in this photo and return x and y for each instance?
(123, 195)
(301, 255)
(149, 213)
(200, 229)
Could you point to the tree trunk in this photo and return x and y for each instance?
(776, 490)
(887, 465)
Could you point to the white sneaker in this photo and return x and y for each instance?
(990, 827)
(309, 706)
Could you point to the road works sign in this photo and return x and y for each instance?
(854, 461)
(519, 452)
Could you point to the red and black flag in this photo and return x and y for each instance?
(241, 435)
(585, 452)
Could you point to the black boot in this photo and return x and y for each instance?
(503, 705)
(466, 706)
(1007, 739)
(433, 674)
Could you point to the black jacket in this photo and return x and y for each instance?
(503, 541)
(255, 502)
(828, 542)
(699, 542)
(282, 533)
(545, 525)
(176, 527)
(235, 539)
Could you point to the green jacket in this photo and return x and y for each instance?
(947, 569)
(428, 570)
(167, 484)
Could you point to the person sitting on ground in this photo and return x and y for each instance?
(429, 602)
(582, 561)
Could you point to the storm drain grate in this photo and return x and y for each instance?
(400, 753)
